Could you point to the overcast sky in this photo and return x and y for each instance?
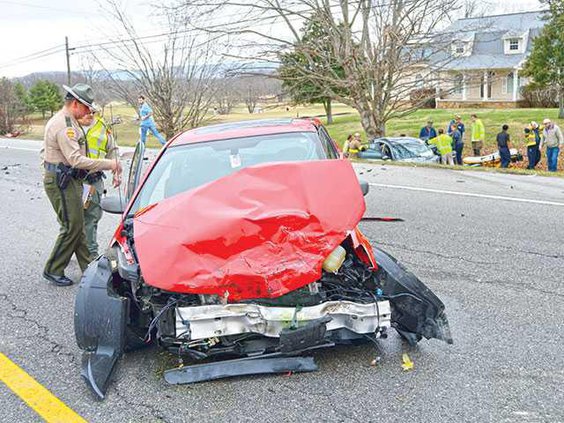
(31, 26)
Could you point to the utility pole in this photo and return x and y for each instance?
(68, 61)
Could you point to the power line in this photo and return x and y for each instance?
(93, 47)
(38, 6)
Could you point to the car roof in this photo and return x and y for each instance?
(400, 140)
(248, 128)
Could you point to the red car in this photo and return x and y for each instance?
(239, 248)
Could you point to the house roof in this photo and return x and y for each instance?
(512, 21)
(486, 35)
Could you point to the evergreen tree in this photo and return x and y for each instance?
(307, 58)
(44, 96)
(546, 62)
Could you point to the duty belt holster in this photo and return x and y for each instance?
(65, 173)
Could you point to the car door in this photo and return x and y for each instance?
(329, 145)
(135, 170)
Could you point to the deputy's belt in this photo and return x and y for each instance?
(62, 168)
(50, 167)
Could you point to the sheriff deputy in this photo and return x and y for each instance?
(66, 165)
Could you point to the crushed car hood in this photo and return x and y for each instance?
(258, 233)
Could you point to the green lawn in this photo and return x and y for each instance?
(346, 121)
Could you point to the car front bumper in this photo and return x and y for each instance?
(202, 322)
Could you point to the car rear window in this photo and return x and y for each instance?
(189, 166)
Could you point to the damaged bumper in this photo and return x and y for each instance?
(233, 319)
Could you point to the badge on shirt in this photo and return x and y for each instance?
(71, 133)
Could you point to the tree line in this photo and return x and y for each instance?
(17, 102)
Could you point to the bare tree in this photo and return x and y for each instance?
(179, 80)
(98, 80)
(475, 8)
(374, 52)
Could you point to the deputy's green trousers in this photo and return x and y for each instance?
(92, 215)
(67, 204)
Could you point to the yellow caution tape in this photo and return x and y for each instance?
(43, 402)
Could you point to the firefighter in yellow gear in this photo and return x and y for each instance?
(532, 142)
(444, 146)
(100, 144)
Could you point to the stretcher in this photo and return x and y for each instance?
(491, 160)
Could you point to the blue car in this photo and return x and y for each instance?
(404, 149)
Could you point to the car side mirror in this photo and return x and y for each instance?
(364, 186)
(113, 204)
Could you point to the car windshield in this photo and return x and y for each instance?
(184, 167)
(412, 150)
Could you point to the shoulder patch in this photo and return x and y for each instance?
(70, 133)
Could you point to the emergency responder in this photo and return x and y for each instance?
(504, 144)
(147, 123)
(532, 141)
(478, 134)
(444, 146)
(537, 130)
(355, 145)
(64, 158)
(100, 144)
(428, 132)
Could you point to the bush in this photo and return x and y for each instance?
(423, 98)
(535, 96)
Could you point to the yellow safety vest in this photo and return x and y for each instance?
(530, 139)
(97, 139)
(443, 143)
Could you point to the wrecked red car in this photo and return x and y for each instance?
(239, 249)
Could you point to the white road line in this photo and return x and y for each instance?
(22, 148)
(469, 194)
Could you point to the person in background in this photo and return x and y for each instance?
(537, 131)
(355, 145)
(459, 125)
(531, 143)
(147, 123)
(504, 144)
(100, 144)
(347, 145)
(552, 139)
(478, 134)
(444, 146)
(457, 143)
(428, 132)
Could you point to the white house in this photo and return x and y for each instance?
(486, 56)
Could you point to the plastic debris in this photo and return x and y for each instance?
(406, 363)
(376, 361)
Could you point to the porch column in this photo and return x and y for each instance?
(464, 87)
(515, 85)
(485, 87)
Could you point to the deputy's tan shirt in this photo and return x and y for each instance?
(65, 144)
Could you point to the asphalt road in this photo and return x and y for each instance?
(497, 264)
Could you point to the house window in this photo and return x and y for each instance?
(419, 81)
(514, 44)
(458, 84)
(509, 81)
(458, 48)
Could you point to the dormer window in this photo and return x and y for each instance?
(513, 44)
(459, 48)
